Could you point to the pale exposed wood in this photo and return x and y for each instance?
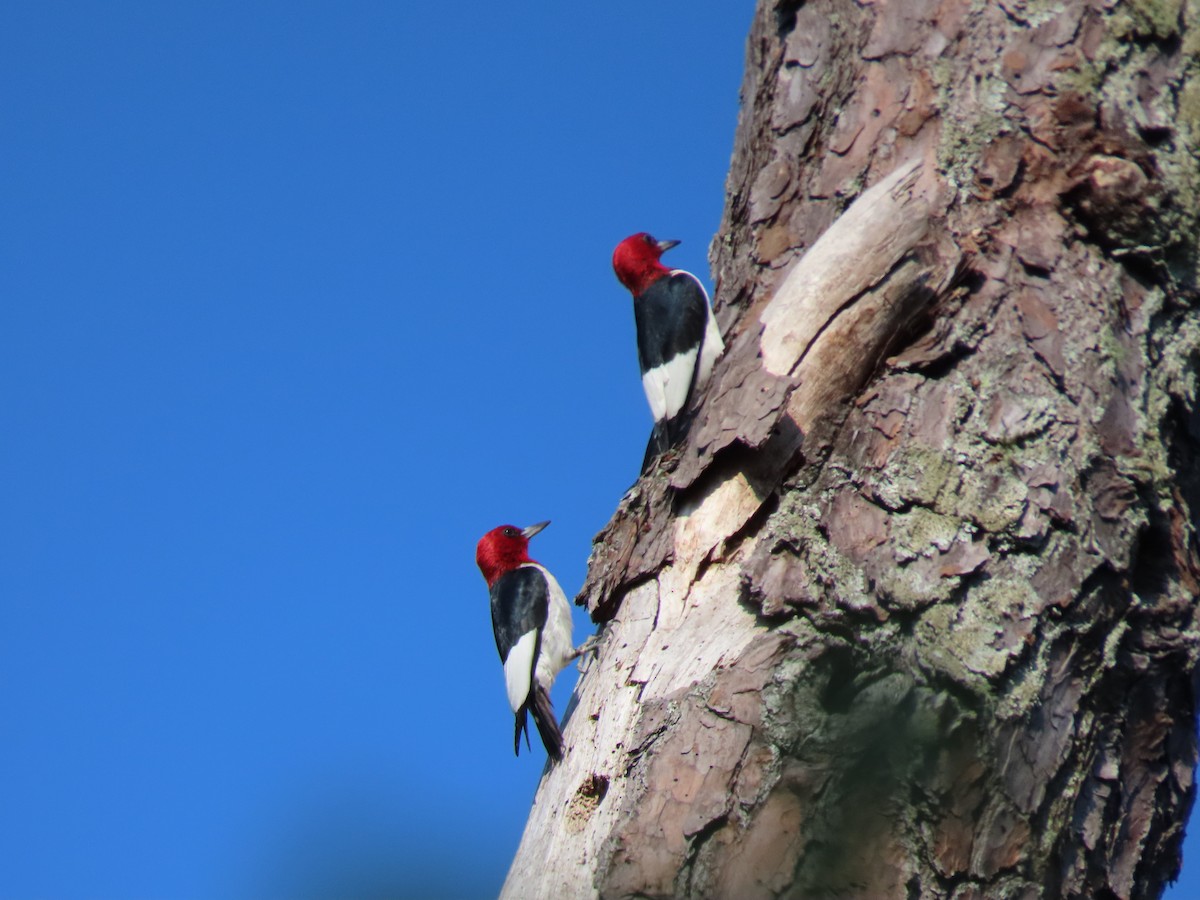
(856, 253)
(669, 634)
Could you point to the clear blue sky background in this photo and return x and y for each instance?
(299, 299)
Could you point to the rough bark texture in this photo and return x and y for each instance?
(914, 611)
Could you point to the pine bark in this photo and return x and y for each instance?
(913, 613)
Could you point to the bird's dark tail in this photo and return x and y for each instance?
(666, 434)
(544, 719)
(538, 703)
(522, 726)
(659, 443)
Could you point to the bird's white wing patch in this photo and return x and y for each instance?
(652, 384)
(518, 669)
(667, 385)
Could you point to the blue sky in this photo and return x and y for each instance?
(299, 300)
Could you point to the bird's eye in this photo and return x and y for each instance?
(510, 532)
(649, 240)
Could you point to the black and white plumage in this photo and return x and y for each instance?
(531, 620)
(677, 336)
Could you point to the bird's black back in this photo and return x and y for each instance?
(671, 315)
(520, 602)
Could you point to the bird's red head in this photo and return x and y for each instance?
(503, 549)
(636, 261)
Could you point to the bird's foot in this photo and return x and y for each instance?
(586, 652)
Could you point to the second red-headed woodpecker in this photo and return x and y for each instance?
(531, 620)
(677, 337)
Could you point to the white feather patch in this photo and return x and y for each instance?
(518, 668)
(667, 385)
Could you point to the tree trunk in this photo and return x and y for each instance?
(913, 611)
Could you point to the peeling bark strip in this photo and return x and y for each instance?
(857, 252)
(919, 625)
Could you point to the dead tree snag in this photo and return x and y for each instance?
(913, 613)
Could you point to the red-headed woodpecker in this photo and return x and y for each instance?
(532, 623)
(677, 337)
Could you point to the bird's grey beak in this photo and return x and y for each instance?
(664, 246)
(534, 529)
